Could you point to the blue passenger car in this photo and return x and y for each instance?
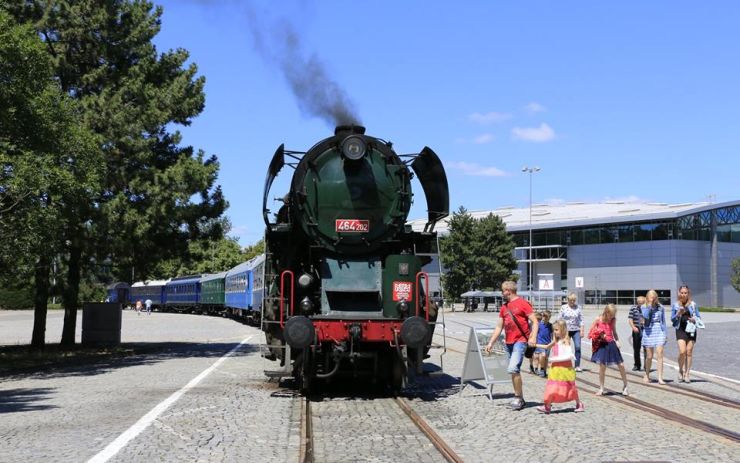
(150, 289)
(118, 292)
(245, 286)
(183, 292)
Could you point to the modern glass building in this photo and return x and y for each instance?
(611, 252)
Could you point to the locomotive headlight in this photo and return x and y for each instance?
(306, 305)
(354, 147)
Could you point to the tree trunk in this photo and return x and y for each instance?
(71, 295)
(40, 299)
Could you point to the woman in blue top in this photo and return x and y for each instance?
(684, 315)
(654, 336)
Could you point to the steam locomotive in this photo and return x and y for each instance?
(345, 294)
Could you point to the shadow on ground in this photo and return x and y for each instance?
(23, 400)
(18, 362)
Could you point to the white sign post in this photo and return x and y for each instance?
(547, 281)
(480, 365)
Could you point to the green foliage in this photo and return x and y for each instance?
(15, 299)
(254, 250)
(147, 198)
(494, 252)
(457, 254)
(477, 254)
(735, 276)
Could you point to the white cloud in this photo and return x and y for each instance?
(483, 139)
(488, 118)
(539, 134)
(469, 168)
(533, 108)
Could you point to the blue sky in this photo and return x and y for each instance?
(620, 100)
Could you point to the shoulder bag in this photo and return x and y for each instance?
(529, 352)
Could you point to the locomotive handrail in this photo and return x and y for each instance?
(425, 276)
(282, 294)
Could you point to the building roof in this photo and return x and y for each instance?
(583, 213)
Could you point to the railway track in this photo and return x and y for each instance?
(309, 452)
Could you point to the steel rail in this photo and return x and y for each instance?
(306, 448)
(668, 414)
(427, 430)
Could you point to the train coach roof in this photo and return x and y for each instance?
(214, 276)
(139, 284)
(118, 285)
(185, 279)
(248, 265)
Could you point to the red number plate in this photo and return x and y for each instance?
(352, 226)
(403, 290)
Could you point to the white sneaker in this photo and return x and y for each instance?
(579, 369)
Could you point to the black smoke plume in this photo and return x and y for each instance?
(318, 94)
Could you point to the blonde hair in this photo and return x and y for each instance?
(572, 297)
(609, 309)
(510, 285)
(563, 327)
(654, 295)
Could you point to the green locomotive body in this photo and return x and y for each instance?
(345, 287)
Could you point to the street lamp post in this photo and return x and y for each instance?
(530, 171)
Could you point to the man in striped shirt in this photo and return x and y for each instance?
(635, 321)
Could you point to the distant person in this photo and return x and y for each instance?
(534, 360)
(561, 380)
(608, 353)
(635, 321)
(544, 337)
(515, 318)
(684, 316)
(654, 335)
(138, 307)
(148, 304)
(572, 313)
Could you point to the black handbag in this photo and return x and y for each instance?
(529, 352)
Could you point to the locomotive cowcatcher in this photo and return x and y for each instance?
(345, 288)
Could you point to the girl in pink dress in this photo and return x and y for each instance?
(561, 377)
(603, 330)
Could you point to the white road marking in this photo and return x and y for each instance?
(114, 447)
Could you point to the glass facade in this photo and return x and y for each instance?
(623, 296)
(690, 227)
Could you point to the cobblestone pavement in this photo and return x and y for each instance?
(235, 414)
(367, 429)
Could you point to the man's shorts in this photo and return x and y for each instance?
(516, 355)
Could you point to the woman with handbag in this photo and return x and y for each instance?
(605, 329)
(573, 316)
(561, 379)
(654, 336)
(686, 319)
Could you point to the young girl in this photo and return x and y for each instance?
(654, 337)
(604, 328)
(561, 380)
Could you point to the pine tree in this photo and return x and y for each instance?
(458, 254)
(494, 251)
(103, 56)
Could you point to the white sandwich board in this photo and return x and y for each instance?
(481, 366)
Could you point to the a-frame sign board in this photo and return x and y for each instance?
(479, 365)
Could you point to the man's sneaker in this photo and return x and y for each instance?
(579, 369)
(517, 404)
(544, 409)
(580, 408)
